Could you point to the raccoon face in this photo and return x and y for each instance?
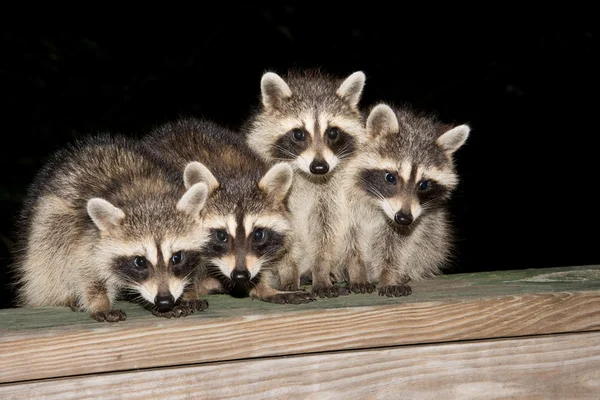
(155, 250)
(312, 123)
(251, 232)
(405, 171)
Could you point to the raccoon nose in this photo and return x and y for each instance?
(403, 218)
(164, 303)
(319, 167)
(240, 276)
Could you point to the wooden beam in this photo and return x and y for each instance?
(546, 367)
(47, 343)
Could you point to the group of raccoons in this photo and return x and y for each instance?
(312, 189)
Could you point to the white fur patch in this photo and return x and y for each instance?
(405, 170)
(148, 291)
(389, 207)
(226, 264)
(304, 159)
(445, 178)
(415, 209)
(274, 222)
(176, 287)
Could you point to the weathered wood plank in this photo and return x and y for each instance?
(546, 367)
(33, 345)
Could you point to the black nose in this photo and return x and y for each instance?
(164, 303)
(403, 218)
(318, 167)
(240, 276)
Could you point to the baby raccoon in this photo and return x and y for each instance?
(311, 121)
(246, 215)
(100, 220)
(398, 187)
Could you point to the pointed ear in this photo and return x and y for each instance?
(351, 89)
(196, 172)
(382, 120)
(106, 216)
(453, 139)
(277, 181)
(274, 90)
(193, 200)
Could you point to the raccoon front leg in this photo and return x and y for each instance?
(391, 284)
(358, 281)
(289, 274)
(266, 293)
(97, 301)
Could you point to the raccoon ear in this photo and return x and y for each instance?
(193, 200)
(382, 120)
(273, 90)
(105, 215)
(453, 139)
(351, 89)
(196, 172)
(277, 181)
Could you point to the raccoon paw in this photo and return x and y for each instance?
(333, 291)
(111, 316)
(198, 305)
(181, 310)
(289, 288)
(395, 290)
(291, 298)
(361, 287)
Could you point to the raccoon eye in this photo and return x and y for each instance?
(140, 262)
(423, 185)
(298, 134)
(333, 133)
(258, 235)
(221, 235)
(390, 178)
(176, 258)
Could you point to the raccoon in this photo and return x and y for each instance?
(100, 220)
(310, 120)
(397, 187)
(246, 216)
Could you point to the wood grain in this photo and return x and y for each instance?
(546, 367)
(152, 342)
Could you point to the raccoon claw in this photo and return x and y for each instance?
(360, 287)
(395, 291)
(333, 291)
(111, 316)
(291, 298)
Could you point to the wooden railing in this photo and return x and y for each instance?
(511, 334)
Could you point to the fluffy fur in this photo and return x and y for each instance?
(312, 121)
(99, 220)
(246, 216)
(397, 187)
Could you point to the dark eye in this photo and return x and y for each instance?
(423, 185)
(176, 258)
(298, 134)
(221, 235)
(333, 133)
(390, 178)
(140, 262)
(258, 235)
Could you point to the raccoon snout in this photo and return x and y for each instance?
(164, 303)
(319, 167)
(403, 218)
(240, 276)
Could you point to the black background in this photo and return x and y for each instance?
(526, 84)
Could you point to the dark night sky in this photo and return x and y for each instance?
(528, 172)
